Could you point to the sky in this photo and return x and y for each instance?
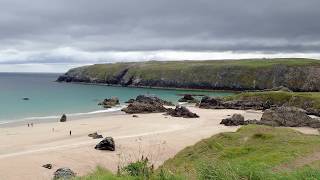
(55, 35)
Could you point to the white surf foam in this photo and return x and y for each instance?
(114, 109)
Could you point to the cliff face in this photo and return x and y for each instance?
(296, 74)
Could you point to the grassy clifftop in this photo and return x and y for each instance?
(304, 100)
(253, 152)
(296, 74)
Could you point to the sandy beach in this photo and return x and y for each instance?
(23, 150)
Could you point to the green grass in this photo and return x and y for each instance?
(252, 153)
(299, 99)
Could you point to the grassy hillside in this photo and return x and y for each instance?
(253, 152)
(222, 74)
(299, 99)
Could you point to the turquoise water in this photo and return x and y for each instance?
(50, 99)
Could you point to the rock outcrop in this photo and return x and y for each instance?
(138, 107)
(294, 74)
(110, 102)
(106, 144)
(181, 111)
(289, 117)
(63, 118)
(63, 174)
(217, 103)
(147, 104)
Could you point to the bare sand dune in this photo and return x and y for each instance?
(24, 150)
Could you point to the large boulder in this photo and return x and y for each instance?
(63, 174)
(138, 107)
(188, 98)
(235, 120)
(289, 117)
(108, 103)
(106, 144)
(181, 111)
(63, 118)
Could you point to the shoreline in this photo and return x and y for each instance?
(56, 118)
(155, 87)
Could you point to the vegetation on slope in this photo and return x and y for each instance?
(253, 152)
(303, 100)
(222, 74)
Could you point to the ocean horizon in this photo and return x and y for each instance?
(48, 99)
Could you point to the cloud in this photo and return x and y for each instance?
(83, 31)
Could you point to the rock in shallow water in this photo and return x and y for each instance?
(109, 103)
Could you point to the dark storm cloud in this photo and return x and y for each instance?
(128, 25)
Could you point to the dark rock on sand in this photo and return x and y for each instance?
(235, 120)
(151, 99)
(63, 118)
(188, 98)
(48, 166)
(108, 103)
(147, 104)
(138, 107)
(63, 173)
(289, 117)
(95, 135)
(181, 111)
(106, 144)
(135, 116)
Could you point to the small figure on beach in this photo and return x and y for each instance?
(28, 125)
(31, 124)
(70, 132)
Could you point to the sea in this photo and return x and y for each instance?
(48, 99)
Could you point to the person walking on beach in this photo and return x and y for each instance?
(70, 132)
(28, 125)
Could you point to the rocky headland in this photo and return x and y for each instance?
(294, 74)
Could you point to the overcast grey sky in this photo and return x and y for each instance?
(54, 35)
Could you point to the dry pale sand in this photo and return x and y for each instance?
(24, 150)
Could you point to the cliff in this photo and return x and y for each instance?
(249, 74)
